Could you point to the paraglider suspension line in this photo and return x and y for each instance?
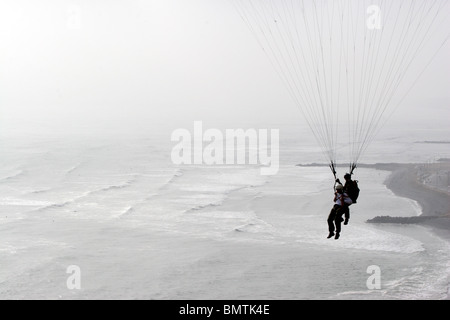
(333, 169)
(353, 167)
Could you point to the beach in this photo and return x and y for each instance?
(415, 181)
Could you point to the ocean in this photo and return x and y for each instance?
(136, 226)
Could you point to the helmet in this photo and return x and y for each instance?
(347, 176)
(339, 187)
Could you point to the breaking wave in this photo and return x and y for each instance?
(175, 175)
(15, 175)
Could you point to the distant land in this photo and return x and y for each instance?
(435, 142)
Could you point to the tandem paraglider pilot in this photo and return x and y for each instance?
(341, 208)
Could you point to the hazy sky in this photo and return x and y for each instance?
(124, 65)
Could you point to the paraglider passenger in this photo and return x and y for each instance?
(342, 202)
(352, 190)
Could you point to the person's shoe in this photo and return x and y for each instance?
(345, 222)
(337, 236)
(330, 235)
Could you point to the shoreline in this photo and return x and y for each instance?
(405, 181)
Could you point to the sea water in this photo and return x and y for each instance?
(139, 227)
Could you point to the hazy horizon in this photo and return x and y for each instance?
(116, 66)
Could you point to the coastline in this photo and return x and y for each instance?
(407, 180)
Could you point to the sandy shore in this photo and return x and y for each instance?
(428, 185)
(420, 182)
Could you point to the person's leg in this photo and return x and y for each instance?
(347, 215)
(338, 220)
(331, 219)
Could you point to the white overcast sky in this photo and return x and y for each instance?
(124, 65)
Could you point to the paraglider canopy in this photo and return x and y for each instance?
(347, 64)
